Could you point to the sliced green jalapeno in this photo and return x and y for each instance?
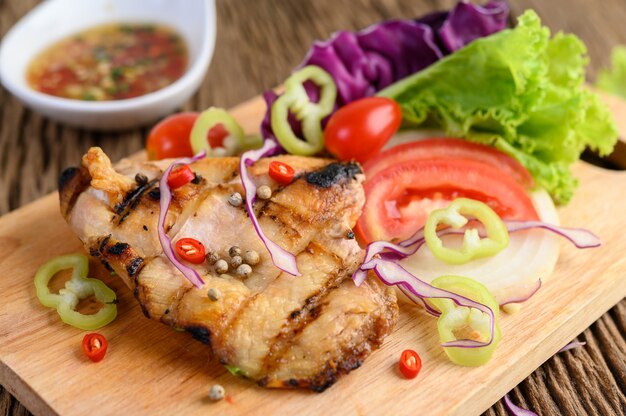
(296, 100)
(460, 322)
(77, 288)
(474, 247)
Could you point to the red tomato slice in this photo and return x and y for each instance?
(399, 199)
(445, 148)
(170, 137)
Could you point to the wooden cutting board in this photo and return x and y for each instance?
(151, 369)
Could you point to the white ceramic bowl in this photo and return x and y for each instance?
(56, 19)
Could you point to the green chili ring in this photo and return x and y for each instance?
(474, 246)
(310, 114)
(458, 322)
(78, 287)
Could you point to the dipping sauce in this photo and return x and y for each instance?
(110, 62)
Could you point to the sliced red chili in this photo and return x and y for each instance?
(281, 172)
(410, 364)
(180, 176)
(95, 346)
(191, 250)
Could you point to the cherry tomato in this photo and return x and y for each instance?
(399, 198)
(95, 346)
(281, 172)
(360, 129)
(180, 176)
(410, 364)
(217, 135)
(170, 137)
(191, 250)
(446, 147)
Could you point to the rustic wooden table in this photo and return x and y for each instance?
(258, 43)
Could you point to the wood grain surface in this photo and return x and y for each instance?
(259, 41)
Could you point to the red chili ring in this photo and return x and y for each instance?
(95, 346)
(191, 250)
(180, 176)
(410, 364)
(281, 172)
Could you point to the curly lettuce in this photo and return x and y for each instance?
(614, 80)
(520, 91)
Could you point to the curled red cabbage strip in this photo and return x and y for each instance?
(572, 345)
(516, 410)
(580, 237)
(393, 274)
(524, 297)
(418, 300)
(282, 259)
(164, 205)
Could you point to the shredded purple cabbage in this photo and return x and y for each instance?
(572, 345)
(523, 297)
(393, 274)
(164, 205)
(364, 62)
(281, 258)
(516, 410)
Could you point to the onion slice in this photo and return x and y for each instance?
(526, 285)
(572, 345)
(393, 274)
(282, 259)
(516, 410)
(580, 237)
(164, 206)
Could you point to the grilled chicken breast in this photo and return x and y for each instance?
(279, 330)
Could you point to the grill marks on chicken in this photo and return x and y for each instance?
(280, 330)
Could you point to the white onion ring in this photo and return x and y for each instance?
(512, 275)
(532, 252)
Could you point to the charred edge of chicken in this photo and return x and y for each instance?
(333, 173)
(72, 182)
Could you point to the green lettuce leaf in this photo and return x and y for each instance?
(614, 80)
(520, 91)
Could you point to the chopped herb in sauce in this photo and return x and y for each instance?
(110, 62)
